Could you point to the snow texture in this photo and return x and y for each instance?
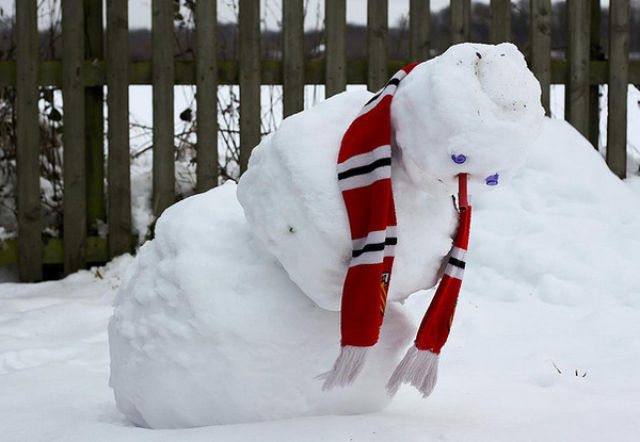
(450, 105)
(211, 285)
(551, 282)
(544, 345)
(208, 329)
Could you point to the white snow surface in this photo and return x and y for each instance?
(543, 347)
(550, 281)
(477, 100)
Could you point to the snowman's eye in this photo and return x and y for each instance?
(458, 159)
(492, 180)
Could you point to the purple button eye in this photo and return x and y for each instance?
(492, 180)
(458, 159)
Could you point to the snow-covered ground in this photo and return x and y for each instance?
(544, 347)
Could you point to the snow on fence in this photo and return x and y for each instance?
(85, 69)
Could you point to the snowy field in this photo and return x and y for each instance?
(544, 347)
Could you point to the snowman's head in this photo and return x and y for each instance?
(475, 109)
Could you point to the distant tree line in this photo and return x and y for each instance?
(140, 39)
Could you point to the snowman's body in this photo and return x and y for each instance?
(208, 329)
(228, 315)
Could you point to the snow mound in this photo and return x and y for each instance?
(208, 329)
(569, 227)
(477, 100)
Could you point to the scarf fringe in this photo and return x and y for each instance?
(418, 368)
(346, 368)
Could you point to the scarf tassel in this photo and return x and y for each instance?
(418, 368)
(346, 368)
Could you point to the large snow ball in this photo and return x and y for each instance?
(480, 101)
(208, 329)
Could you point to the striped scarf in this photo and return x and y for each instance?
(364, 178)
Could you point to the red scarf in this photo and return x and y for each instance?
(364, 178)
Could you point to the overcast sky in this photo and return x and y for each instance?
(140, 11)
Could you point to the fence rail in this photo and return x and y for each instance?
(85, 69)
(271, 72)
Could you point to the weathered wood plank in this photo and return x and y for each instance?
(75, 190)
(577, 92)
(94, 116)
(335, 34)
(162, 54)
(377, 43)
(596, 53)
(52, 251)
(28, 142)
(293, 56)
(500, 26)
(249, 52)
(206, 95)
(271, 72)
(419, 30)
(460, 21)
(540, 56)
(618, 83)
(118, 128)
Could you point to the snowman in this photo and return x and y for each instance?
(237, 310)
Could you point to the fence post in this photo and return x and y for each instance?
(336, 47)
(618, 84)
(74, 196)
(419, 30)
(118, 128)
(249, 51)
(206, 95)
(596, 53)
(377, 43)
(540, 56)
(500, 26)
(28, 142)
(293, 57)
(460, 21)
(162, 52)
(577, 92)
(94, 118)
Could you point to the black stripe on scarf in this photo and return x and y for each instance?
(456, 262)
(392, 82)
(362, 170)
(392, 241)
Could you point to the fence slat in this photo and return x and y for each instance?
(74, 196)
(419, 30)
(162, 52)
(596, 53)
(249, 52)
(206, 95)
(118, 128)
(28, 142)
(335, 35)
(618, 80)
(94, 117)
(460, 21)
(293, 56)
(577, 92)
(500, 26)
(377, 43)
(540, 56)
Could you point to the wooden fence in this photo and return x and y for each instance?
(85, 69)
